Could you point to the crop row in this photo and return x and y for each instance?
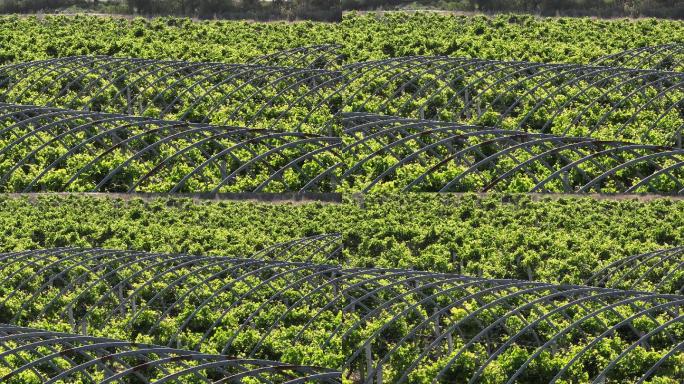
(50, 149)
(53, 149)
(658, 271)
(561, 240)
(607, 103)
(666, 57)
(33, 356)
(363, 37)
(375, 325)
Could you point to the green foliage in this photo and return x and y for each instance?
(363, 37)
(505, 236)
(407, 322)
(550, 100)
(556, 240)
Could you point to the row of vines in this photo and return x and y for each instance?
(373, 325)
(316, 301)
(300, 120)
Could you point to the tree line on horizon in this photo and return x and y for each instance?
(603, 8)
(231, 9)
(331, 10)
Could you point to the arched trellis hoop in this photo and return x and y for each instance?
(33, 355)
(422, 155)
(598, 101)
(667, 57)
(565, 99)
(659, 271)
(64, 150)
(323, 248)
(323, 56)
(376, 325)
(198, 92)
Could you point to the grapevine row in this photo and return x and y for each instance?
(658, 271)
(375, 325)
(30, 356)
(51, 149)
(565, 99)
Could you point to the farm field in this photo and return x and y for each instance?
(509, 208)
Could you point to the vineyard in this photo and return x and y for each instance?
(406, 124)
(507, 213)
